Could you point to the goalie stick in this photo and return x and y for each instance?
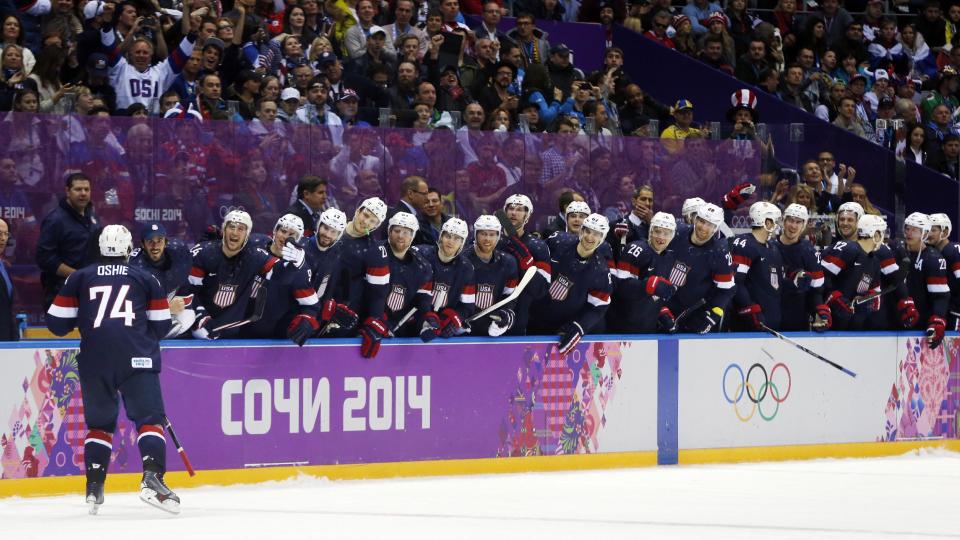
(524, 281)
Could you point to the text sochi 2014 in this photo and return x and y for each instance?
(376, 404)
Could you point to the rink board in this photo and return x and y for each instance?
(254, 411)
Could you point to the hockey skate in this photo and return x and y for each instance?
(155, 493)
(94, 497)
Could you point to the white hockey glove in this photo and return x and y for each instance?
(293, 253)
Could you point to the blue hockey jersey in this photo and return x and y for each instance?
(289, 294)
(364, 275)
(171, 270)
(579, 290)
(494, 280)
(759, 276)
(698, 272)
(633, 310)
(411, 286)
(453, 282)
(852, 272)
(797, 304)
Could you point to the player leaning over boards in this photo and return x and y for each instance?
(496, 276)
(801, 296)
(940, 230)
(927, 279)
(529, 251)
(760, 274)
(122, 314)
(851, 271)
(579, 294)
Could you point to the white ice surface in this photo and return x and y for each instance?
(913, 496)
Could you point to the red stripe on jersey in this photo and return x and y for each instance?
(158, 304)
(379, 271)
(816, 274)
(427, 286)
(100, 435)
(610, 264)
(511, 283)
(544, 265)
(956, 266)
(197, 272)
(935, 280)
(740, 259)
(150, 428)
(627, 267)
(469, 289)
(268, 266)
(888, 262)
(66, 301)
(836, 261)
(722, 278)
(304, 293)
(602, 295)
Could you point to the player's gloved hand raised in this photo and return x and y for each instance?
(372, 331)
(338, 314)
(519, 250)
(570, 335)
(836, 301)
(430, 329)
(935, 328)
(754, 314)
(660, 288)
(823, 319)
(302, 327)
(293, 253)
(909, 315)
(621, 229)
(736, 196)
(201, 331)
(708, 319)
(450, 323)
(501, 321)
(801, 280)
(666, 321)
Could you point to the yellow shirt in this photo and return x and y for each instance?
(672, 137)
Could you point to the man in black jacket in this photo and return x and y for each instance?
(8, 324)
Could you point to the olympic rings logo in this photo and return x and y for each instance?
(756, 395)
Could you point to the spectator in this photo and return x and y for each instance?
(413, 195)
(912, 149)
(846, 117)
(488, 27)
(683, 39)
(433, 218)
(948, 161)
(64, 233)
(401, 28)
(784, 18)
(499, 120)
(12, 33)
(752, 64)
(289, 103)
(497, 92)
(939, 127)
(311, 201)
(835, 20)
(658, 31)
(741, 24)
(210, 100)
(923, 64)
(886, 51)
(8, 323)
(853, 44)
(858, 194)
(673, 136)
(813, 37)
(712, 54)
(717, 26)
(791, 89)
(355, 39)
(532, 41)
(374, 54)
(932, 26)
(338, 80)
(537, 86)
(316, 111)
(488, 181)
(451, 96)
(770, 81)
(944, 93)
(698, 11)
(562, 70)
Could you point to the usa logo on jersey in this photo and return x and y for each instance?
(774, 279)
(678, 275)
(225, 295)
(560, 288)
(323, 286)
(864, 284)
(395, 298)
(440, 295)
(484, 297)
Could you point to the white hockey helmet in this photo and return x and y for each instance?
(238, 216)
(577, 207)
(597, 222)
(761, 211)
(404, 219)
(115, 241)
(942, 221)
(664, 221)
(522, 200)
(851, 207)
(920, 221)
(710, 213)
(691, 205)
(487, 222)
(291, 221)
(869, 224)
(797, 211)
(335, 219)
(456, 227)
(376, 206)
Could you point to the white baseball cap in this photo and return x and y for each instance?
(92, 9)
(290, 93)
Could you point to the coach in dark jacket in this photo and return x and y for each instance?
(65, 233)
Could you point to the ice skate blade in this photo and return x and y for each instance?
(92, 505)
(149, 496)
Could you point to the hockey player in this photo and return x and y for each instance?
(850, 271)
(122, 314)
(529, 251)
(364, 269)
(579, 294)
(292, 306)
(226, 275)
(575, 213)
(848, 218)
(410, 288)
(759, 271)
(927, 279)
(801, 294)
(940, 229)
(323, 271)
(495, 274)
(638, 291)
(454, 289)
(169, 260)
(699, 265)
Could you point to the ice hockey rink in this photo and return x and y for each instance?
(911, 496)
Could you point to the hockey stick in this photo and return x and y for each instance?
(508, 227)
(524, 281)
(259, 306)
(683, 314)
(403, 320)
(176, 442)
(806, 350)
